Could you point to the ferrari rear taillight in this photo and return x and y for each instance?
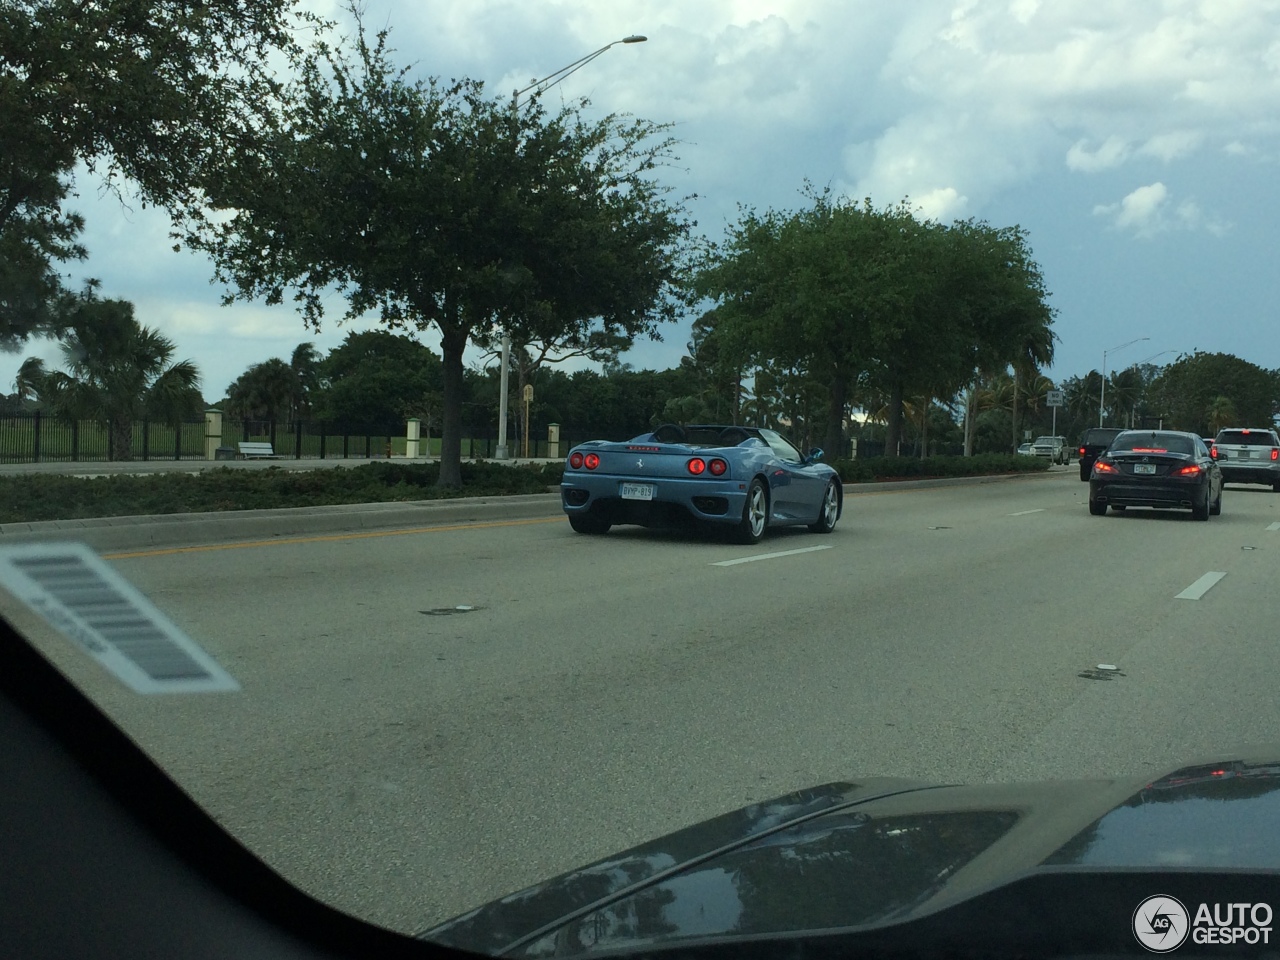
(591, 461)
(697, 466)
(1193, 470)
(718, 467)
(575, 461)
(1102, 466)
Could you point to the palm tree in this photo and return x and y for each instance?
(117, 371)
(266, 391)
(1221, 414)
(305, 363)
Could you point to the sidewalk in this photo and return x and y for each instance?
(104, 468)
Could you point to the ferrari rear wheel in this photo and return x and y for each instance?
(586, 524)
(830, 510)
(755, 514)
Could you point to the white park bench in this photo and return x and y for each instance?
(250, 450)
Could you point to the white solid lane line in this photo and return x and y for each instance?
(1201, 586)
(767, 556)
(1023, 513)
(1274, 526)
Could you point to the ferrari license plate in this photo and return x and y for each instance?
(1144, 468)
(638, 491)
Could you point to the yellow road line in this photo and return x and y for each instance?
(328, 539)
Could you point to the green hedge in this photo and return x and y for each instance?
(871, 469)
(57, 497)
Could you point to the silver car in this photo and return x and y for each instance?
(1052, 448)
(1249, 455)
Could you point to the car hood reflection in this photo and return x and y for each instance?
(847, 856)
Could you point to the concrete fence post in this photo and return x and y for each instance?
(212, 433)
(553, 441)
(412, 438)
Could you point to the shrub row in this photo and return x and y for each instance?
(57, 497)
(871, 469)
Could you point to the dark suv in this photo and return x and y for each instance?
(1249, 456)
(1092, 442)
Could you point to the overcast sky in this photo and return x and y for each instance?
(1137, 142)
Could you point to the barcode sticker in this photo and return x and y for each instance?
(99, 610)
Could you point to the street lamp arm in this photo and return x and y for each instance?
(551, 79)
(1102, 398)
(544, 84)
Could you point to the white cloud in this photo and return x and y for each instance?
(944, 203)
(1150, 210)
(1141, 209)
(1113, 152)
(1173, 145)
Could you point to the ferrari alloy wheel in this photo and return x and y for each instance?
(586, 524)
(755, 514)
(830, 510)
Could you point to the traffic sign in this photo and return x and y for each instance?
(1053, 398)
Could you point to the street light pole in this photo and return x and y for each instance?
(546, 83)
(1102, 399)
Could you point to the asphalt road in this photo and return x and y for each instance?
(406, 760)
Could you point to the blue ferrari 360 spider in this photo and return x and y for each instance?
(743, 478)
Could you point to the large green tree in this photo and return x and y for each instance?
(116, 372)
(377, 377)
(871, 301)
(148, 91)
(1204, 389)
(265, 391)
(439, 207)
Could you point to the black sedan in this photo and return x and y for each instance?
(1156, 468)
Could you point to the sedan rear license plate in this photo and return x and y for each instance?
(638, 491)
(1144, 468)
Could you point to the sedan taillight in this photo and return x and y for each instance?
(1102, 466)
(1082, 451)
(1189, 471)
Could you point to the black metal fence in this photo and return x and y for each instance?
(37, 437)
(908, 448)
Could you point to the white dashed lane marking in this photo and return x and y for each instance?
(1023, 513)
(1274, 526)
(766, 556)
(1201, 586)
